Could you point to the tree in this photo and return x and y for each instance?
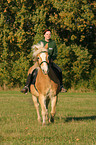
(73, 28)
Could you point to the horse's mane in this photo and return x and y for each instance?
(36, 49)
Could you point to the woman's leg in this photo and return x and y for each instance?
(30, 77)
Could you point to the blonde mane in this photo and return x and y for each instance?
(36, 49)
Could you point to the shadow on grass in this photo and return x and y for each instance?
(70, 119)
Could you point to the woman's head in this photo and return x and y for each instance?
(47, 34)
(46, 31)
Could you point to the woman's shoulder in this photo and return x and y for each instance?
(52, 41)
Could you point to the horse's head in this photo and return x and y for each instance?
(42, 59)
(41, 56)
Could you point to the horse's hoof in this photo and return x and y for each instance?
(44, 124)
(51, 119)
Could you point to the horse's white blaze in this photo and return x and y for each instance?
(44, 65)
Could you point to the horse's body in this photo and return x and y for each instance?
(47, 85)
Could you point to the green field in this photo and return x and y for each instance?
(75, 120)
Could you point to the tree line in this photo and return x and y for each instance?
(72, 23)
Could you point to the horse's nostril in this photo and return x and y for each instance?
(45, 72)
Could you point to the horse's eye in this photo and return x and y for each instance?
(37, 58)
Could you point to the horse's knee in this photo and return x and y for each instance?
(44, 112)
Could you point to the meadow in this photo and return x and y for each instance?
(75, 120)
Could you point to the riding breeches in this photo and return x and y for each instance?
(57, 70)
(32, 73)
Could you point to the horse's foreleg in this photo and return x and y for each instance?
(53, 108)
(47, 103)
(36, 104)
(42, 101)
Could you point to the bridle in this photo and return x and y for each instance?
(43, 61)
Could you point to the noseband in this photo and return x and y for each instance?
(43, 62)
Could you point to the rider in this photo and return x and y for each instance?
(52, 51)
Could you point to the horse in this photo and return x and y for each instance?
(47, 84)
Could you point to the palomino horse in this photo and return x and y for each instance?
(47, 85)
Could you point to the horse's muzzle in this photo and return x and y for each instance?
(45, 72)
(45, 67)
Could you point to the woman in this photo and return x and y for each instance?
(52, 51)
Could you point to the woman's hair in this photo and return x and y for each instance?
(46, 31)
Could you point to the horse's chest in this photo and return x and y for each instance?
(44, 85)
(50, 93)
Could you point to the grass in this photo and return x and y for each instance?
(75, 120)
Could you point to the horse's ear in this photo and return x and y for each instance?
(36, 48)
(46, 46)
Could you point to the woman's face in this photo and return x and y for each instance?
(47, 35)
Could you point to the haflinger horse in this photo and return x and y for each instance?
(47, 85)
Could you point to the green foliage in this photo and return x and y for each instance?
(65, 60)
(73, 28)
(19, 70)
(82, 63)
(75, 64)
(92, 80)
